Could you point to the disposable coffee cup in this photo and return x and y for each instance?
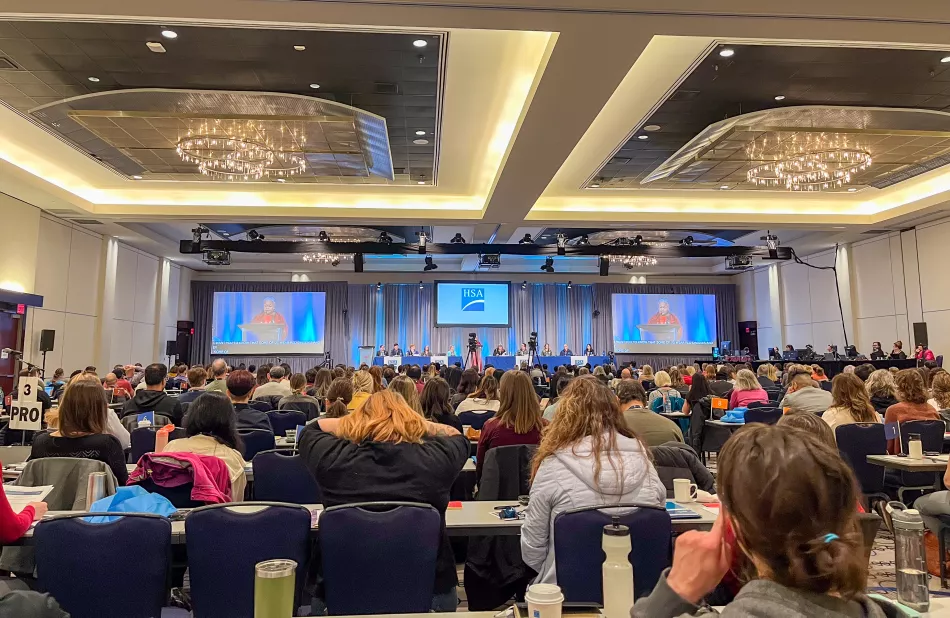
(544, 601)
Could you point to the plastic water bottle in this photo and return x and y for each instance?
(618, 572)
(667, 408)
(910, 557)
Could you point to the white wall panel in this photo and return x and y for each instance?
(125, 284)
(883, 329)
(184, 293)
(825, 333)
(85, 270)
(932, 258)
(77, 342)
(822, 292)
(121, 342)
(143, 344)
(763, 307)
(938, 332)
(146, 284)
(874, 286)
(799, 335)
(170, 306)
(52, 264)
(745, 296)
(796, 295)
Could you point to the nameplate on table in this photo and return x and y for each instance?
(520, 360)
(392, 361)
(442, 360)
(578, 361)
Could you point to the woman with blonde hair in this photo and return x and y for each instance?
(588, 456)
(485, 398)
(767, 375)
(646, 375)
(384, 428)
(406, 387)
(664, 386)
(881, 390)
(362, 389)
(851, 403)
(747, 390)
(518, 420)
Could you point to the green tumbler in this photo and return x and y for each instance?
(274, 588)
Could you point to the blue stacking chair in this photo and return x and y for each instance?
(931, 438)
(476, 418)
(108, 569)
(578, 536)
(392, 542)
(255, 441)
(142, 441)
(282, 420)
(224, 543)
(282, 476)
(855, 442)
(769, 416)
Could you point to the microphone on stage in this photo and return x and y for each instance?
(13, 352)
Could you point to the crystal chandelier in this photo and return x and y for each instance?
(327, 258)
(816, 163)
(633, 261)
(233, 153)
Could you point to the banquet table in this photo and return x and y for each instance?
(415, 360)
(508, 362)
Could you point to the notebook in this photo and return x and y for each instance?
(677, 511)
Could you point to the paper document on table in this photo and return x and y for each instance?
(20, 497)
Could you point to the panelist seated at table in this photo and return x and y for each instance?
(426, 351)
(566, 351)
(589, 350)
(546, 350)
(499, 351)
(412, 351)
(897, 351)
(382, 351)
(876, 352)
(522, 349)
(396, 350)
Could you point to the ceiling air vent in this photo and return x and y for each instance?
(385, 88)
(8, 65)
(87, 221)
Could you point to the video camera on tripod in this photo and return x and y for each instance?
(472, 342)
(533, 342)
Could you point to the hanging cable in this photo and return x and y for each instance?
(834, 269)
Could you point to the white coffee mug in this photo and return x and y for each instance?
(684, 491)
(544, 601)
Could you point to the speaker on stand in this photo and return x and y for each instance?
(171, 349)
(47, 338)
(186, 331)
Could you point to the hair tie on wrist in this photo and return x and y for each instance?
(828, 538)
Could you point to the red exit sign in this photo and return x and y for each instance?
(21, 309)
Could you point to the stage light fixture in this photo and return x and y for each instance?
(524, 285)
(385, 238)
(420, 285)
(604, 266)
(197, 233)
(561, 244)
(430, 265)
(335, 261)
(638, 240)
(771, 240)
(584, 241)
(458, 239)
(423, 239)
(255, 235)
(323, 236)
(526, 240)
(548, 265)
(358, 262)
(569, 285)
(687, 242)
(379, 286)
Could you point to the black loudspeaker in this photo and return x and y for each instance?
(749, 337)
(920, 333)
(46, 340)
(171, 348)
(603, 266)
(186, 331)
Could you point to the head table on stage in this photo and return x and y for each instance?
(508, 362)
(415, 360)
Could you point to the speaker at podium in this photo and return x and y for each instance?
(263, 332)
(660, 332)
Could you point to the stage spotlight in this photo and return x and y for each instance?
(569, 285)
(524, 285)
(423, 239)
(430, 265)
(638, 240)
(548, 265)
(379, 286)
(771, 240)
(420, 285)
(561, 243)
(255, 235)
(385, 238)
(687, 242)
(604, 265)
(323, 236)
(526, 240)
(457, 239)
(197, 233)
(584, 241)
(335, 261)
(358, 262)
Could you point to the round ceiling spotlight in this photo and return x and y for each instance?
(315, 86)
(136, 177)
(945, 59)
(93, 79)
(420, 132)
(169, 34)
(652, 127)
(595, 185)
(724, 187)
(780, 97)
(420, 142)
(300, 47)
(727, 52)
(420, 43)
(643, 137)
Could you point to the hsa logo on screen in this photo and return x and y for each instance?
(473, 299)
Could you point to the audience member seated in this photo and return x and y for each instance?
(562, 379)
(911, 404)
(376, 372)
(804, 395)
(339, 395)
(240, 384)
(924, 353)
(112, 393)
(219, 372)
(83, 418)
(801, 551)
(362, 389)
(721, 385)
(298, 384)
(647, 379)
(59, 378)
(435, 403)
(649, 426)
(664, 386)
(897, 352)
(940, 389)
(114, 426)
(767, 375)
(414, 373)
(518, 420)
(485, 398)
(197, 382)
(818, 374)
(384, 428)
(747, 390)
(850, 403)
(587, 457)
(275, 386)
(321, 383)
(677, 382)
(468, 384)
(212, 430)
(880, 388)
(697, 391)
(153, 398)
(406, 387)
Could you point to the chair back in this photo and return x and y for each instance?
(870, 523)
(578, 556)
(760, 404)
(224, 543)
(282, 476)
(309, 409)
(825, 385)
(931, 438)
(395, 542)
(131, 423)
(855, 442)
(475, 418)
(96, 570)
(282, 420)
(773, 394)
(939, 360)
(769, 416)
(255, 441)
(260, 406)
(506, 472)
(272, 400)
(143, 440)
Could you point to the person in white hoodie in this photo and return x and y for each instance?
(587, 457)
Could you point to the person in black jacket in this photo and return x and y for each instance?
(397, 456)
(240, 386)
(675, 460)
(153, 398)
(876, 352)
(897, 352)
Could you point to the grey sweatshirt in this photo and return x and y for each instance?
(763, 599)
